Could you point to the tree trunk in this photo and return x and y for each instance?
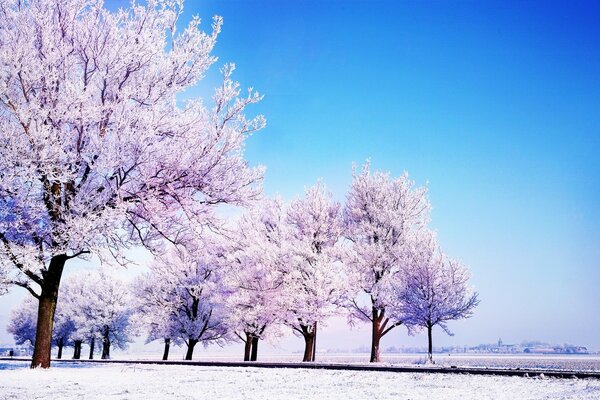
(60, 347)
(92, 345)
(254, 354)
(190, 349)
(167, 346)
(105, 344)
(376, 336)
(77, 350)
(314, 352)
(46, 309)
(430, 351)
(247, 346)
(309, 346)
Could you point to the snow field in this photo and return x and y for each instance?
(145, 382)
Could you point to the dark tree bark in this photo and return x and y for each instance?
(60, 348)
(430, 348)
(46, 308)
(190, 349)
(309, 346)
(92, 345)
(77, 350)
(247, 346)
(314, 353)
(105, 344)
(376, 336)
(254, 355)
(167, 346)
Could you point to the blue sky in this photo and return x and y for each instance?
(495, 104)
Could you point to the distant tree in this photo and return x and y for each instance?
(313, 281)
(71, 293)
(435, 289)
(22, 322)
(379, 216)
(63, 329)
(254, 275)
(195, 293)
(104, 309)
(98, 152)
(154, 312)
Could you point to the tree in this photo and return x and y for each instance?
(195, 292)
(154, 310)
(313, 281)
(254, 275)
(435, 289)
(71, 293)
(21, 324)
(98, 153)
(103, 309)
(379, 216)
(63, 328)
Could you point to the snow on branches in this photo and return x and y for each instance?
(314, 279)
(254, 274)
(380, 215)
(183, 297)
(434, 288)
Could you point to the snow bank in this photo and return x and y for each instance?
(145, 382)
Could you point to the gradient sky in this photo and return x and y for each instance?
(495, 105)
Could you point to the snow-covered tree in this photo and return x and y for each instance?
(103, 308)
(154, 312)
(22, 322)
(380, 215)
(254, 275)
(98, 151)
(71, 293)
(194, 287)
(435, 288)
(63, 328)
(313, 280)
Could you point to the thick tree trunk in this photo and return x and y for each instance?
(60, 347)
(309, 346)
(167, 346)
(254, 355)
(376, 336)
(46, 309)
(190, 349)
(92, 345)
(77, 350)
(105, 344)
(247, 346)
(430, 348)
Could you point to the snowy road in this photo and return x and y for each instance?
(184, 382)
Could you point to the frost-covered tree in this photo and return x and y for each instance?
(103, 308)
(154, 311)
(313, 280)
(255, 263)
(194, 287)
(63, 328)
(435, 288)
(380, 215)
(22, 322)
(97, 150)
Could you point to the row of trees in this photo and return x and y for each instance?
(94, 309)
(292, 265)
(99, 153)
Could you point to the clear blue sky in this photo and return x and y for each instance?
(495, 104)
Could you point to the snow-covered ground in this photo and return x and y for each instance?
(190, 382)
